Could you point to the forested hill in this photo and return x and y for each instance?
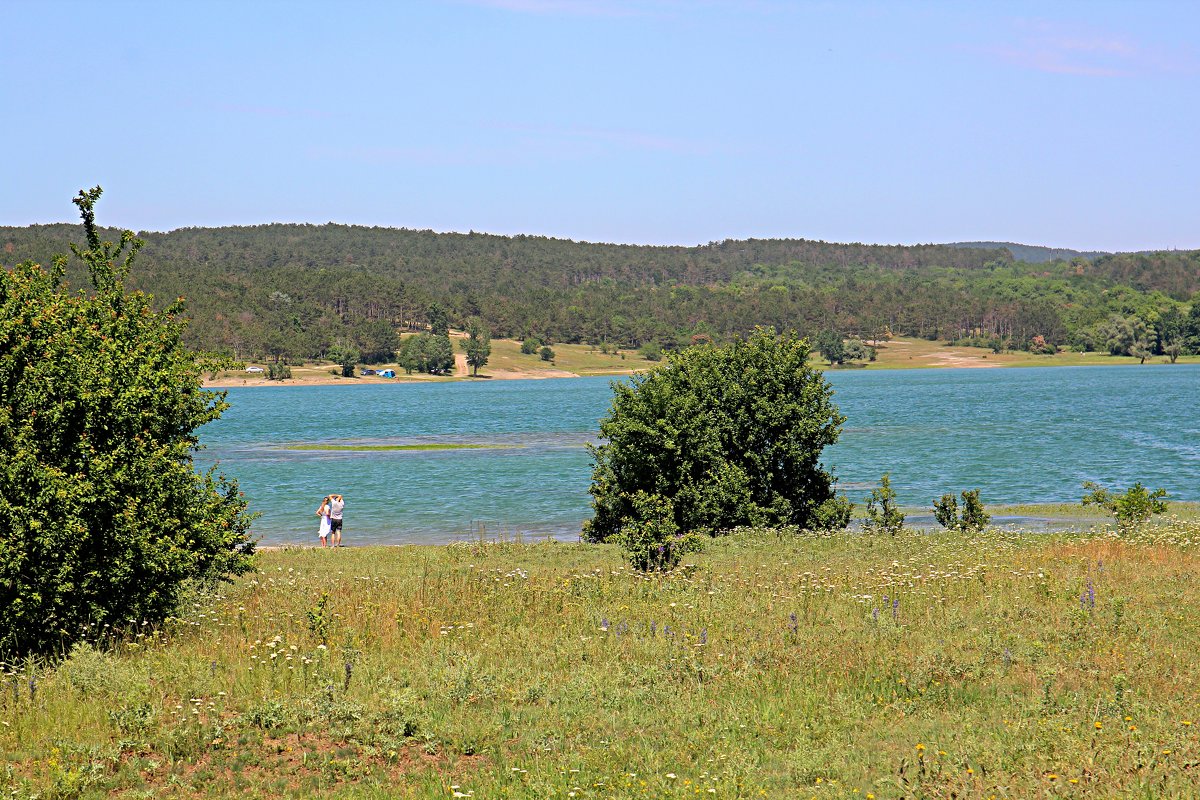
(1032, 253)
(300, 291)
(422, 256)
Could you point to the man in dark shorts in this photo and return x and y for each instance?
(336, 504)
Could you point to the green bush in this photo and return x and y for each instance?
(882, 514)
(546, 353)
(651, 351)
(426, 352)
(530, 346)
(731, 436)
(972, 518)
(278, 372)
(650, 538)
(1135, 505)
(104, 519)
(347, 359)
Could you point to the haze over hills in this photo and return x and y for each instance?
(1033, 253)
(300, 291)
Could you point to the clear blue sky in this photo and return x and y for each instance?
(1073, 124)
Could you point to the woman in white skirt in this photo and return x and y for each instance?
(323, 513)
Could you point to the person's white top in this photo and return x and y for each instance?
(335, 508)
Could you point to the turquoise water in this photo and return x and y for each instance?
(1021, 435)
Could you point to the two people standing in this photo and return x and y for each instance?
(330, 512)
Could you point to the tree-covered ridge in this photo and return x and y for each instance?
(1033, 253)
(286, 291)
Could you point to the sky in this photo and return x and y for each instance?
(1068, 124)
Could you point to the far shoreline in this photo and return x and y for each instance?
(237, 380)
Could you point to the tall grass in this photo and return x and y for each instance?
(935, 665)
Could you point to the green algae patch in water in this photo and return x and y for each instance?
(382, 447)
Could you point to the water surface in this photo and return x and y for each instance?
(1021, 435)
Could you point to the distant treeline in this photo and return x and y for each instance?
(295, 292)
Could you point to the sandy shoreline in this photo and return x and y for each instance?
(235, 381)
(576, 362)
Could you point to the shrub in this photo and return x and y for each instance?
(546, 353)
(530, 346)
(972, 518)
(650, 538)
(347, 359)
(731, 436)
(1135, 505)
(651, 351)
(882, 514)
(278, 372)
(104, 519)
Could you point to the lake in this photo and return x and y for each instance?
(1021, 435)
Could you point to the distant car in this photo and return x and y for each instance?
(255, 369)
(367, 372)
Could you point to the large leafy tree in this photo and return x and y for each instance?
(727, 436)
(104, 519)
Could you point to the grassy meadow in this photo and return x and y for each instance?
(774, 665)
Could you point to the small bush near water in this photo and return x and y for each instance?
(836, 665)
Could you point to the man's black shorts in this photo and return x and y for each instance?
(335, 526)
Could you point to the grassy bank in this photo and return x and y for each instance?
(923, 666)
(507, 361)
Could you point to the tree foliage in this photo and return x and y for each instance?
(973, 517)
(477, 345)
(652, 541)
(1135, 505)
(883, 515)
(426, 352)
(830, 345)
(294, 291)
(727, 436)
(104, 520)
(439, 321)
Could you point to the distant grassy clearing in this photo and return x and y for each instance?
(378, 447)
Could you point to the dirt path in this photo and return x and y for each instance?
(460, 365)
